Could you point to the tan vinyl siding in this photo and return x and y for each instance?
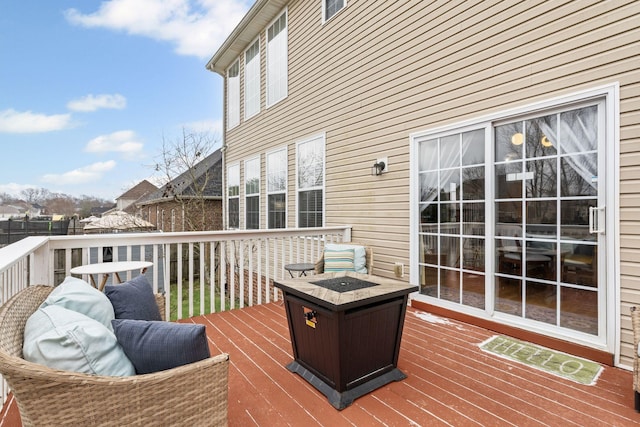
(380, 70)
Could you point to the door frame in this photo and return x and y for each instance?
(610, 94)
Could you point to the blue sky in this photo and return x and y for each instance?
(90, 89)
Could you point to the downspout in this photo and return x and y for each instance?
(223, 149)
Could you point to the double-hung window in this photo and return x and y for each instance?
(277, 52)
(331, 7)
(252, 80)
(233, 196)
(277, 188)
(233, 95)
(252, 193)
(310, 179)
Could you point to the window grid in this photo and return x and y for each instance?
(276, 188)
(331, 7)
(252, 193)
(233, 196)
(310, 164)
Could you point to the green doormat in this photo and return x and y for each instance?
(564, 365)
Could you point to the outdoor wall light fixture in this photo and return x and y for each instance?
(378, 167)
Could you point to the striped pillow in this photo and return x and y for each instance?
(338, 260)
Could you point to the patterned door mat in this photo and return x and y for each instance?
(561, 364)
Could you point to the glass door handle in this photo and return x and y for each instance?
(594, 217)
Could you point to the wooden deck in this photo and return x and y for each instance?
(450, 382)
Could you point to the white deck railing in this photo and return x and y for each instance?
(199, 272)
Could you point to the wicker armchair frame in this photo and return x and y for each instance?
(319, 264)
(190, 395)
(635, 324)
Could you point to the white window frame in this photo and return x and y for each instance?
(611, 95)
(252, 82)
(269, 172)
(277, 49)
(233, 96)
(251, 170)
(233, 179)
(321, 138)
(324, 11)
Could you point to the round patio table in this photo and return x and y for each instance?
(301, 268)
(107, 268)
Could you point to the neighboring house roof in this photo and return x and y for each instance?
(256, 20)
(138, 191)
(183, 186)
(99, 210)
(126, 201)
(118, 221)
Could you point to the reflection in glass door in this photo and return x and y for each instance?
(546, 211)
(452, 218)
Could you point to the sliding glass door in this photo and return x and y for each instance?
(511, 219)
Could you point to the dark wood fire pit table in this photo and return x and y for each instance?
(345, 330)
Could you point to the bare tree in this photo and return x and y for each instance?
(36, 195)
(62, 205)
(187, 175)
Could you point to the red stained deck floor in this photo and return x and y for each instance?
(450, 382)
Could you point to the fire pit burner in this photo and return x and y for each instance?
(344, 284)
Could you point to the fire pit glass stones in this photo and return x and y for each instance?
(345, 331)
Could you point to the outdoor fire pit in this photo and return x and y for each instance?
(345, 330)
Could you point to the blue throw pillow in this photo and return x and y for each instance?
(133, 300)
(156, 346)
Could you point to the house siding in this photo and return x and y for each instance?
(375, 73)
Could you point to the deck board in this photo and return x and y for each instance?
(451, 381)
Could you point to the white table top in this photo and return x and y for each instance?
(110, 267)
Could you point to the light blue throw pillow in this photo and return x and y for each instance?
(359, 254)
(64, 339)
(77, 295)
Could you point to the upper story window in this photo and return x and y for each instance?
(277, 189)
(233, 196)
(277, 52)
(252, 193)
(310, 178)
(331, 7)
(252, 80)
(233, 95)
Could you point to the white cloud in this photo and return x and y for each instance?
(12, 121)
(93, 102)
(124, 142)
(195, 27)
(91, 173)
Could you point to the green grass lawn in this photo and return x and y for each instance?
(173, 303)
